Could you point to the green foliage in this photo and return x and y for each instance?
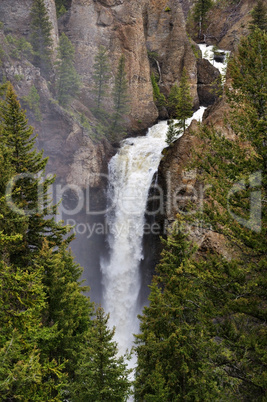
(249, 74)
(173, 132)
(152, 55)
(158, 97)
(40, 36)
(68, 310)
(23, 371)
(61, 7)
(167, 10)
(120, 101)
(203, 336)
(259, 16)
(200, 11)
(180, 102)
(68, 81)
(2, 55)
(18, 77)
(20, 48)
(101, 374)
(32, 100)
(101, 75)
(47, 334)
(173, 100)
(18, 138)
(174, 344)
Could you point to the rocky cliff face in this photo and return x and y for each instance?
(165, 33)
(132, 28)
(123, 27)
(135, 29)
(226, 22)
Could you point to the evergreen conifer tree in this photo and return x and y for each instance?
(40, 36)
(68, 310)
(175, 340)
(172, 133)
(120, 100)
(226, 294)
(158, 97)
(184, 107)
(101, 76)
(101, 374)
(45, 319)
(28, 193)
(61, 7)
(239, 165)
(259, 16)
(180, 103)
(249, 74)
(173, 100)
(68, 81)
(25, 372)
(200, 11)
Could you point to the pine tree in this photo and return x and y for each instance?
(249, 74)
(181, 102)
(101, 375)
(101, 76)
(68, 310)
(173, 100)
(172, 133)
(25, 372)
(175, 342)
(217, 298)
(200, 11)
(40, 36)
(158, 97)
(45, 319)
(240, 164)
(120, 100)
(68, 81)
(32, 100)
(28, 194)
(61, 7)
(259, 16)
(239, 299)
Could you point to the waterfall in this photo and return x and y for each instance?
(131, 172)
(208, 52)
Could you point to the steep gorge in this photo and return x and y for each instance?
(132, 28)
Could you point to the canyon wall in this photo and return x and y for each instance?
(139, 30)
(131, 28)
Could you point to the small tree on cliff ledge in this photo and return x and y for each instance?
(40, 36)
(68, 81)
(201, 9)
(120, 99)
(101, 76)
(180, 103)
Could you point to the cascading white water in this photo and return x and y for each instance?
(131, 172)
(208, 54)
